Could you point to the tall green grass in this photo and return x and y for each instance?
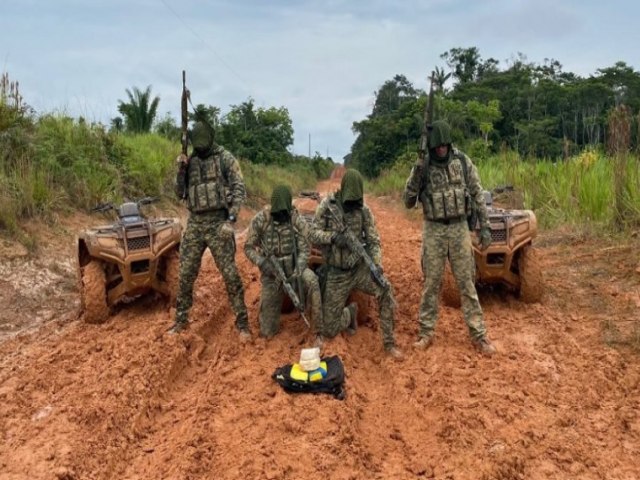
(577, 192)
(56, 163)
(260, 179)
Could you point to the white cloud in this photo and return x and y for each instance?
(321, 60)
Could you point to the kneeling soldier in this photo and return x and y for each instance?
(345, 228)
(277, 242)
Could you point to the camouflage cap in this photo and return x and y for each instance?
(281, 199)
(201, 136)
(352, 186)
(439, 134)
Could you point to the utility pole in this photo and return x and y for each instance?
(309, 145)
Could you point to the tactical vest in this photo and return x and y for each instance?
(280, 240)
(344, 258)
(445, 194)
(207, 184)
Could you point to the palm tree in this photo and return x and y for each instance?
(209, 115)
(439, 78)
(140, 111)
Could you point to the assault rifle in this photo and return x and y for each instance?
(428, 120)
(184, 120)
(182, 179)
(282, 278)
(356, 247)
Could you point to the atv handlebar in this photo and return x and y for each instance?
(147, 200)
(103, 207)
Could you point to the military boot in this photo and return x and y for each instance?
(484, 346)
(424, 342)
(178, 326)
(395, 353)
(353, 318)
(245, 335)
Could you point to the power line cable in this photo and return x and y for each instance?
(199, 37)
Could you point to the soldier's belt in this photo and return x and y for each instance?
(448, 221)
(217, 214)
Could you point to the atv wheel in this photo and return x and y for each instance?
(450, 292)
(531, 283)
(93, 293)
(172, 276)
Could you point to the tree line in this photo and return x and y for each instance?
(536, 109)
(259, 135)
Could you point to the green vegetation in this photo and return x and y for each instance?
(537, 110)
(578, 192)
(53, 163)
(300, 174)
(568, 142)
(139, 112)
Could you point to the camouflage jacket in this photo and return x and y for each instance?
(288, 241)
(360, 222)
(418, 182)
(231, 191)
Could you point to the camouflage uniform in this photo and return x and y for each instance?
(346, 271)
(445, 195)
(288, 242)
(212, 184)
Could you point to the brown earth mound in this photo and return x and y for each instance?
(126, 400)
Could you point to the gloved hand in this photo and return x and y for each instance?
(267, 268)
(340, 240)
(226, 230)
(182, 159)
(485, 238)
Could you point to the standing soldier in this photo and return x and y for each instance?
(211, 182)
(340, 220)
(278, 233)
(448, 186)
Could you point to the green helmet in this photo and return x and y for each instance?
(201, 136)
(281, 199)
(439, 134)
(352, 186)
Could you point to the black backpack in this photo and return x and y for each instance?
(333, 383)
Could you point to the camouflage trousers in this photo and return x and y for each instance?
(338, 287)
(210, 230)
(453, 241)
(272, 295)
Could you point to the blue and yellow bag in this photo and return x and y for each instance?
(329, 378)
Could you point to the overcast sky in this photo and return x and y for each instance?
(323, 60)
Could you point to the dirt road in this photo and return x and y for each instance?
(125, 400)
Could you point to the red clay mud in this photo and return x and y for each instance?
(126, 400)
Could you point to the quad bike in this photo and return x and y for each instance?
(511, 259)
(306, 204)
(130, 257)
